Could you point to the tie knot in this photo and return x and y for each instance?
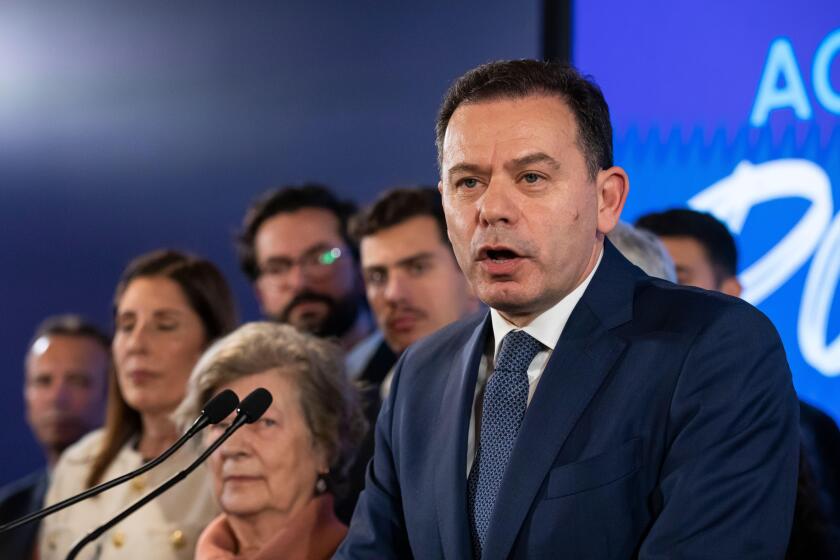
(517, 351)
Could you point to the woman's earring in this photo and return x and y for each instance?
(320, 485)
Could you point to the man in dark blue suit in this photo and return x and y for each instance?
(594, 412)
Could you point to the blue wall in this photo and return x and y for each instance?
(126, 127)
(733, 108)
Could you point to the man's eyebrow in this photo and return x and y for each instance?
(425, 255)
(464, 168)
(405, 261)
(319, 247)
(277, 258)
(530, 159)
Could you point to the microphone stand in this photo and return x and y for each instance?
(242, 418)
(200, 423)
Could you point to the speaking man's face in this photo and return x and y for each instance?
(307, 275)
(524, 217)
(413, 284)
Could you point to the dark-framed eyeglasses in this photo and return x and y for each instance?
(314, 264)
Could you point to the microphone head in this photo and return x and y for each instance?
(254, 405)
(219, 407)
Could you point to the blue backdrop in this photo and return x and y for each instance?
(732, 108)
(130, 126)
(125, 128)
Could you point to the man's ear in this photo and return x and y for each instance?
(613, 186)
(731, 286)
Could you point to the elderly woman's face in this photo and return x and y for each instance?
(157, 342)
(273, 464)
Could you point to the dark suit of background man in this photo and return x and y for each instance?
(623, 417)
(66, 369)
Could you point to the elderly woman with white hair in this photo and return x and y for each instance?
(274, 479)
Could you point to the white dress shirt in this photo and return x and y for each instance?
(546, 328)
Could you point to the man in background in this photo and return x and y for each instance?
(703, 250)
(414, 287)
(706, 256)
(66, 370)
(296, 251)
(412, 280)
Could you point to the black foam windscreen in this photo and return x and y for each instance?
(219, 407)
(255, 404)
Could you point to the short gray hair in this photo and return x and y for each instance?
(329, 401)
(643, 249)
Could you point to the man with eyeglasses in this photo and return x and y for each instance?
(295, 250)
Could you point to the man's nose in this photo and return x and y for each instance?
(497, 205)
(297, 279)
(396, 289)
(60, 393)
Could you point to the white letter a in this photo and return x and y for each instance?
(780, 62)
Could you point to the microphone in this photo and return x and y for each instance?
(250, 410)
(217, 409)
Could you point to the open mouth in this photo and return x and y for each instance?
(500, 255)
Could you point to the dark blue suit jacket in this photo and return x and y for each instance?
(664, 426)
(17, 499)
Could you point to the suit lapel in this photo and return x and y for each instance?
(451, 442)
(579, 364)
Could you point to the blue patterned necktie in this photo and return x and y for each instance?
(505, 400)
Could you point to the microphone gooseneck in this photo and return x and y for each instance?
(251, 408)
(216, 409)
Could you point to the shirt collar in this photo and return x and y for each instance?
(547, 326)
